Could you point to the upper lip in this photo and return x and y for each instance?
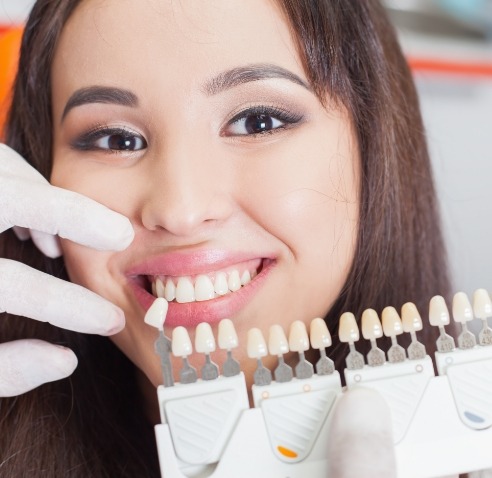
(189, 263)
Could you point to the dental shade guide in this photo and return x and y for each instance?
(155, 317)
(442, 425)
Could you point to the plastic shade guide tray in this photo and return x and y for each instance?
(441, 423)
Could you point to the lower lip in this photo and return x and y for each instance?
(212, 311)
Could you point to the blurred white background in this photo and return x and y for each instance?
(457, 111)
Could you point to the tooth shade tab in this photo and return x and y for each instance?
(319, 334)
(181, 342)
(163, 348)
(371, 325)
(348, 331)
(482, 308)
(462, 309)
(320, 338)
(392, 324)
(482, 305)
(298, 337)
(463, 313)
(438, 311)
(204, 338)
(277, 341)
(439, 317)
(156, 314)
(257, 346)
(410, 317)
(227, 335)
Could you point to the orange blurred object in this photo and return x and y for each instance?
(10, 40)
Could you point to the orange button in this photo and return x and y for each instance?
(286, 452)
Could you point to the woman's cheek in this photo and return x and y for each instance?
(88, 268)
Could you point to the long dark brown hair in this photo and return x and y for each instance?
(93, 423)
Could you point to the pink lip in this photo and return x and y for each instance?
(180, 264)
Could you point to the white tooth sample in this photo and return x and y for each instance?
(156, 315)
(371, 325)
(181, 342)
(159, 288)
(298, 337)
(257, 346)
(234, 281)
(462, 309)
(277, 341)
(220, 284)
(204, 338)
(410, 317)
(227, 335)
(185, 292)
(412, 323)
(204, 289)
(348, 331)
(438, 311)
(392, 324)
(170, 290)
(319, 334)
(245, 278)
(482, 306)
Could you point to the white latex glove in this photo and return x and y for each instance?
(29, 201)
(361, 437)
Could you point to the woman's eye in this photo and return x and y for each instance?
(111, 140)
(260, 120)
(121, 142)
(254, 124)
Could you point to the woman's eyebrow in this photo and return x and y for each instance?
(260, 71)
(100, 94)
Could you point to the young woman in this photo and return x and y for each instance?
(272, 146)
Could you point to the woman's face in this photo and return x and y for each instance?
(196, 121)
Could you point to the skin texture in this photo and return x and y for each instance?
(198, 189)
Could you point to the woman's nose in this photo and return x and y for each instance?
(186, 195)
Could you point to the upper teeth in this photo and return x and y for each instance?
(203, 288)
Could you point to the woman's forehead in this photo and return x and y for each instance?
(180, 45)
(134, 33)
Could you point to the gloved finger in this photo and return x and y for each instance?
(361, 437)
(28, 200)
(49, 245)
(22, 233)
(31, 293)
(26, 364)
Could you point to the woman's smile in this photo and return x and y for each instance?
(203, 286)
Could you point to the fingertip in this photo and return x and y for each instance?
(116, 322)
(67, 361)
(22, 233)
(48, 244)
(116, 231)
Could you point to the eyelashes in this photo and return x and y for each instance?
(251, 123)
(111, 139)
(260, 120)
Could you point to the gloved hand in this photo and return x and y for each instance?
(44, 211)
(361, 437)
